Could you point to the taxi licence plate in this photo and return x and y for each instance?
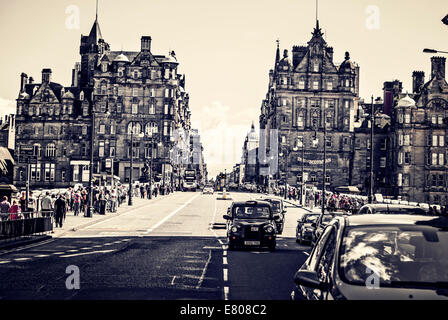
(252, 243)
(254, 229)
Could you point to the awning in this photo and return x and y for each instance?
(80, 162)
(348, 189)
(8, 187)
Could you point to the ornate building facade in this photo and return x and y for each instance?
(113, 94)
(304, 95)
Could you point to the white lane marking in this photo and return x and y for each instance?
(224, 253)
(85, 253)
(204, 270)
(306, 253)
(42, 256)
(6, 261)
(27, 247)
(22, 259)
(86, 248)
(224, 260)
(226, 293)
(170, 215)
(172, 281)
(226, 276)
(210, 248)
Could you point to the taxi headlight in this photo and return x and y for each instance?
(234, 229)
(269, 229)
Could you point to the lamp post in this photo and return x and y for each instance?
(302, 144)
(92, 139)
(324, 166)
(434, 51)
(372, 125)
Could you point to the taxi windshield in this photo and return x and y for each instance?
(251, 212)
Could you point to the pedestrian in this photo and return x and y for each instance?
(46, 205)
(14, 211)
(60, 207)
(77, 203)
(22, 201)
(142, 191)
(113, 201)
(4, 208)
(31, 205)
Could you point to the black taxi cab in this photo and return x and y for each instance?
(251, 224)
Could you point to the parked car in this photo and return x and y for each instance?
(278, 208)
(306, 227)
(402, 257)
(383, 208)
(251, 224)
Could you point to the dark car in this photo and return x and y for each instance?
(278, 208)
(384, 256)
(322, 222)
(306, 227)
(251, 224)
(384, 208)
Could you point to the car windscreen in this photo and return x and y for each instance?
(395, 256)
(251, 212)
(311, 219)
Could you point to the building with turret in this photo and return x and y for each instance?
(112, 94)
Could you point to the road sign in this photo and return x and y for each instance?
(27, 159)
(26, 150)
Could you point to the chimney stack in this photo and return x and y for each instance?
(146, 43)
(418, 80)
(23, 79)
(31, 80)
(46, 75)
(438, 67)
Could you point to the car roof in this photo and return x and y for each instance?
(251, 203)
(392, 206)
(395, 219)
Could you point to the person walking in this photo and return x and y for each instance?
(14, 211)
(4, 208)
(60, 207)
(77, 202)
(46, 205)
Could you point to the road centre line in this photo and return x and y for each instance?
(225, 274)
(170, 215)
(204, 270)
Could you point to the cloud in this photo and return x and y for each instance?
(7, 107)
(222, 131)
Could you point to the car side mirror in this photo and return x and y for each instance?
(309, 279)
(226, 217)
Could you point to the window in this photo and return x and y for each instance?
(49, 171)
(153, 93)
(383, 162)
(327, 178)
(36, 150)
(85, 110)
(83, 151)
(166, 93)
(112, 151)
(119, 108)
(316, 67)
(400, 139)
(166, 109)
(383, 145)
(440, 120)
(400, 158)
(151, 128)
(103, 88)
(434, 119)
(315, 85)
(434, 140)
(400, 180)
(329, 85)
(135, 74)
(63, 175)
(112, 129)
(81, 96)
(101, 149)
(441, 159)
(134, 108)
(407, 140)
(400, 118)
(152, 109)
(441, 141)
(135, 92)
(301, 84)
(104, 67)
(166, 128)
(102, 129)
(136, 126)
(407, 158)
(328, 142)
(51, 150)
(407, 118)
(300, 119)
(120, 91)
(434, 158)
(84, 130)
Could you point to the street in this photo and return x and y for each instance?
(165, 249)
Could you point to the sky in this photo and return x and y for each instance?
(225, 48)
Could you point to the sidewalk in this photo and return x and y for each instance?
(73, 223)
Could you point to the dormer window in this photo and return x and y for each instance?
(407, 118)
(316, 67)
(104, 67)
(301, 84)
(135, 74)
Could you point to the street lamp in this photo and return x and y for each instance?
(302, 145)
(426, 50)
(372, 126)
(324, 167)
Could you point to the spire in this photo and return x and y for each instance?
(277, 55)
(252, 127)
(317, 31)
(95, 32)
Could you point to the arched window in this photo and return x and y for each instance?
(137, 127)
(36, 149)
(150, 128)
(51, 150)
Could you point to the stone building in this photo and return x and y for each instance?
(115, 93)
(304, 94)
(8, 132)
(249, 159)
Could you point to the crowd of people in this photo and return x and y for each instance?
(76, 200)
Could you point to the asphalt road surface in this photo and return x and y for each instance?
(167, 249)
